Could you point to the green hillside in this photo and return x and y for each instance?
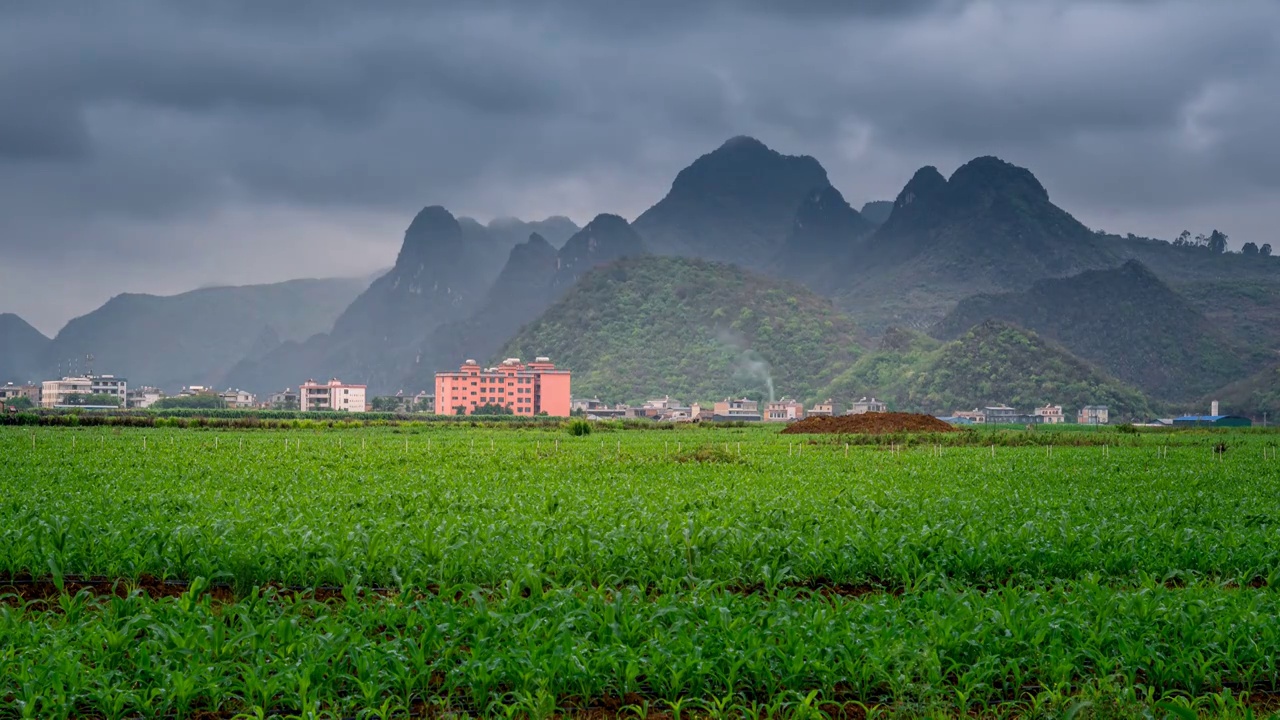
(693, 329)
(1257, 396)
(1125, 321)
(992, 363)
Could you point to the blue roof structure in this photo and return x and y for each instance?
(1200, 418)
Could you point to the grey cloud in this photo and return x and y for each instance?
(124, 121)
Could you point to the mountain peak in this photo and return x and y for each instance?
(926, 184)
(535, 240)
(989, 175)
(432, 231)
(432, 218)
(606, 238)
(733, 204)
(740, 143)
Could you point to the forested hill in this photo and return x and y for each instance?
(1126, 321)
(693, 329)
(991, 363)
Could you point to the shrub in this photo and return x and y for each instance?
(579, 428)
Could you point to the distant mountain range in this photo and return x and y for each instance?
(189, 339)
(983, 256)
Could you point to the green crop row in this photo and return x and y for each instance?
(1034, 651)
(634, 508)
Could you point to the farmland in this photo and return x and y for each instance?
(377, 572)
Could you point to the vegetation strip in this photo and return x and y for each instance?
(960, 647)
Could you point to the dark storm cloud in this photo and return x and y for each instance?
(164, 140)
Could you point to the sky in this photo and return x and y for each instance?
(153, 146)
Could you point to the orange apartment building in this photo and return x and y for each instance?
(528, 389)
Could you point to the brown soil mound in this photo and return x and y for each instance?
(870, 423)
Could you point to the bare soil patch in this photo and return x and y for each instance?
(869, 424)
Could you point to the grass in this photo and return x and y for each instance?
(704, 571)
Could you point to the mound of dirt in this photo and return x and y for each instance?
(870, 424)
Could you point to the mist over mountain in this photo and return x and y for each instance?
(21, 349)
(437, 277)
(194, 338)
(825, 234)
(508, 232)
(877, 212)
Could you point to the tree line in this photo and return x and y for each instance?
(1216, 242)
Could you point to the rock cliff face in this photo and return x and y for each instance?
(825, 234)
(735, 204)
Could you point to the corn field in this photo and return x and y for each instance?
(698, 572)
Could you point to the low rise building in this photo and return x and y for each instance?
(1212, 421)
(197, 391)
(1093, 415)
(238, 399)
(526, 389)
(740, 409)
(333, 395)
(1000, 414)
(286, 399)
(826, 408)
(1050, 414)
(865, 405)
(974, 416)
(144, 397)
(784, 410)
(9, 392)
(585, 404)
(54, 393)
(116, 387)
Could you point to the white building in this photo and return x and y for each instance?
(238, 398)
(1093, 415)
(332, 395)
(1050, 414)
(110, 385)
(144, 397)
(55, 392)
(864, 406)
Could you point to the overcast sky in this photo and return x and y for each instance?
(154, 146)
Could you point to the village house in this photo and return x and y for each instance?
(864, 406)
(238, 399)
(975, 415)
(333, 395)
(144, 397)
(740, 409)
(826, 408)
(1000, 414)
(1093, 415)
(534, 388)
(31, 392)
(1050, 414)
(784, 410)
(286, 399)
